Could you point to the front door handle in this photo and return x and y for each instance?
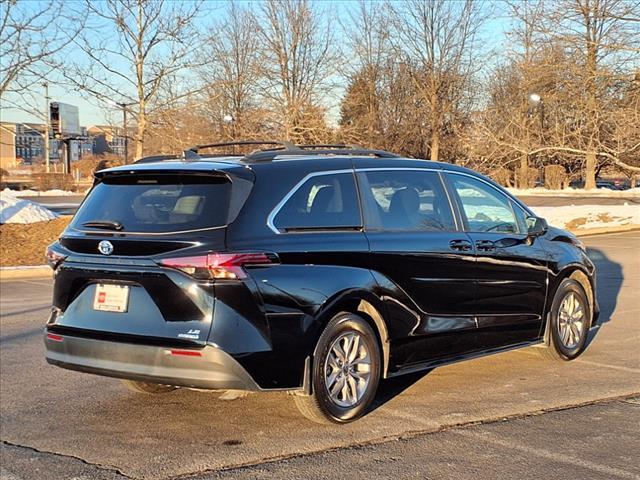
(460, 245)
(485, 245)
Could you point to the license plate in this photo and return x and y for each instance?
(111, 298)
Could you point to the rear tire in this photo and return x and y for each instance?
(345, 372)
(569, 322)
(149, 388)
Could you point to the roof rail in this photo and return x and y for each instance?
(276, 148)
(329, 145)
(284, 145)
(158, 158)
(320, 149)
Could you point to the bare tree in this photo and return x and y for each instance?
(604, 36)
(440, 38)
(368, 41)
(133, 50)
(584, 117)
(232, 76)
(297, 61)
(31, 35)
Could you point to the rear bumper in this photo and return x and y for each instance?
(211, 369)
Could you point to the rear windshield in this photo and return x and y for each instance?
(156, 203)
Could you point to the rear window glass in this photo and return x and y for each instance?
(322, 202)
(157, 204)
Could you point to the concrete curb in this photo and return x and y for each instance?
(602, 230)
(39, 271)
(17, 273)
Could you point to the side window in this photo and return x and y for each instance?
(485, 208)
(406, 200)
(322, 202)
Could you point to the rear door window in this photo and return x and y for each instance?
(405, 200)
(323, 202)
(157, 203)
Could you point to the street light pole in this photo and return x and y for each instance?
(46, 127)
(230, 120)
(539, 105)
(126, 133)
(124, 106)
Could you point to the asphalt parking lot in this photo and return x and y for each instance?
(513, 415)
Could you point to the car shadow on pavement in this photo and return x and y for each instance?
(392, 387)
(609, 278)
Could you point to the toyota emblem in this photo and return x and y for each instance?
(105, 247)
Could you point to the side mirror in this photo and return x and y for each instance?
(536, 226)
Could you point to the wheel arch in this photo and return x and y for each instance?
(582, 278)
(579, 274)
(364, 304)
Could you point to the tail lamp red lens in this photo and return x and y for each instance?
(185, 353)
(219, 265)
(54, 337)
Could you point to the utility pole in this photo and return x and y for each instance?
(47, 127)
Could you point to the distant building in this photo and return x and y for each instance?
(8, 145)
(29, 142)
(26, 141)
(107, 139)
(84, 143)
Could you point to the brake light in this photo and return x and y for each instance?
(219, 265)
(185, 353)
(54, 337)
(54, 258)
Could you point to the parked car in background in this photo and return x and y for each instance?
(317, 270)
(610, 185)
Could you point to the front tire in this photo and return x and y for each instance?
(569, 322)
(345, 372)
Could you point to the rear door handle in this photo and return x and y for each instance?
(485, 245)
(460, 245)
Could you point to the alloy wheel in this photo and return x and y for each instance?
(347, 369)
(571, 321)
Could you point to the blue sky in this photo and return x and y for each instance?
(94, 112)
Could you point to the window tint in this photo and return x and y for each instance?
(405, 200)
(158, 204)
(485, 209)
(324, 201)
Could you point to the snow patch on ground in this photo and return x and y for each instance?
(37, 193)
(15, 210)
(578, 217)
(576, 192)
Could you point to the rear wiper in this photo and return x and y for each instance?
(106, 224)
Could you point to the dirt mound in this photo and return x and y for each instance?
(25, 244)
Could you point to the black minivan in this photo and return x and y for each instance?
(317, 270)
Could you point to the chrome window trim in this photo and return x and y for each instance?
(292, 192)
(274, 212)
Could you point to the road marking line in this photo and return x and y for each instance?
(605, 365)
(561, 458)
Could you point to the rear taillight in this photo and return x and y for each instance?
(54, 257)
(184, 353)
(219, 265)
